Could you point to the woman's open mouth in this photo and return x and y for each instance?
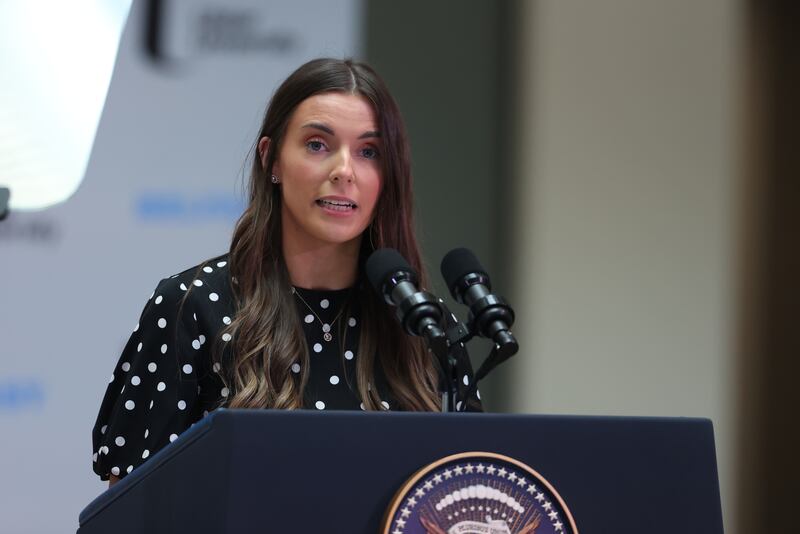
(336, 205)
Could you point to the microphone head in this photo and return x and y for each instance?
(456, 265)
(382, 264)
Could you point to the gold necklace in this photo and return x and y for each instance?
(326, 328)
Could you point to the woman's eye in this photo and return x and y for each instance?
(315, 146)
(369, 152)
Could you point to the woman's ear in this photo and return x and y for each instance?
(263, 151)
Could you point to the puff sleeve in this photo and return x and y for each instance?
(152, 396)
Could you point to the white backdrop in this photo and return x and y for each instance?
(161, 193)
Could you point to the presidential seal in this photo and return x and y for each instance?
(478, 493)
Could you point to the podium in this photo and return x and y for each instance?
(240, 471)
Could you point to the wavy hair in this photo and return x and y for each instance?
(266, 331)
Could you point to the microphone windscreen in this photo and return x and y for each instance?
(458, 263)
(383, 263)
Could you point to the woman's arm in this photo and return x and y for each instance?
(112, 480)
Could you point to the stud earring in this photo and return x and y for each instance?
(275, 179)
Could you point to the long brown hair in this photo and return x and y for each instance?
(266, 331)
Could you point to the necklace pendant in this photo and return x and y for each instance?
(327, 336)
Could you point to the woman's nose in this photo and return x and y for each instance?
(343, 170)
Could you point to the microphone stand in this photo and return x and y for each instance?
(505, 346)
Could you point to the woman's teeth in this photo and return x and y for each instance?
(337, 205)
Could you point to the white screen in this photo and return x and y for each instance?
(56, 60)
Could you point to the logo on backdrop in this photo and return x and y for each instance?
(175, 205)
(478, 493)
(19, 394)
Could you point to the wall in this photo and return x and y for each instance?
(625, 211)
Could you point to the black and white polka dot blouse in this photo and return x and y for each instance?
(166, 378)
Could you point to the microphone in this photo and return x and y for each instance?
(418, 311)
(489, 315)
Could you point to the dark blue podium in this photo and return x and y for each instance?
(304, 471)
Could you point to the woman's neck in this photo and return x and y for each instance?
(322, 266)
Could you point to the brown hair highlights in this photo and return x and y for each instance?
(267, 336)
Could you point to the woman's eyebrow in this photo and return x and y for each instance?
(328, 130)
(319, 126)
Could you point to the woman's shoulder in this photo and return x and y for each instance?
(209, 279)
(201, 294)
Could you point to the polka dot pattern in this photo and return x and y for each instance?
(172, 379)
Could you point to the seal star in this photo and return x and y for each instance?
(531, 488)
(558, 525)
(521, 482)
(480, 468)
(540, 497)
(469, 468)
(459, 470)
(512, 477)
(553, 515)
(405, 512)
(420, 492)
(491, 469)
(547, 505)
(437, 478)
(502, 472)
(412, 502)
(401, 523)
(428, 485)
(448, 474)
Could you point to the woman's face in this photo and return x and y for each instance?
(329, 170)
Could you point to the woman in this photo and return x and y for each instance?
(286, 319)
